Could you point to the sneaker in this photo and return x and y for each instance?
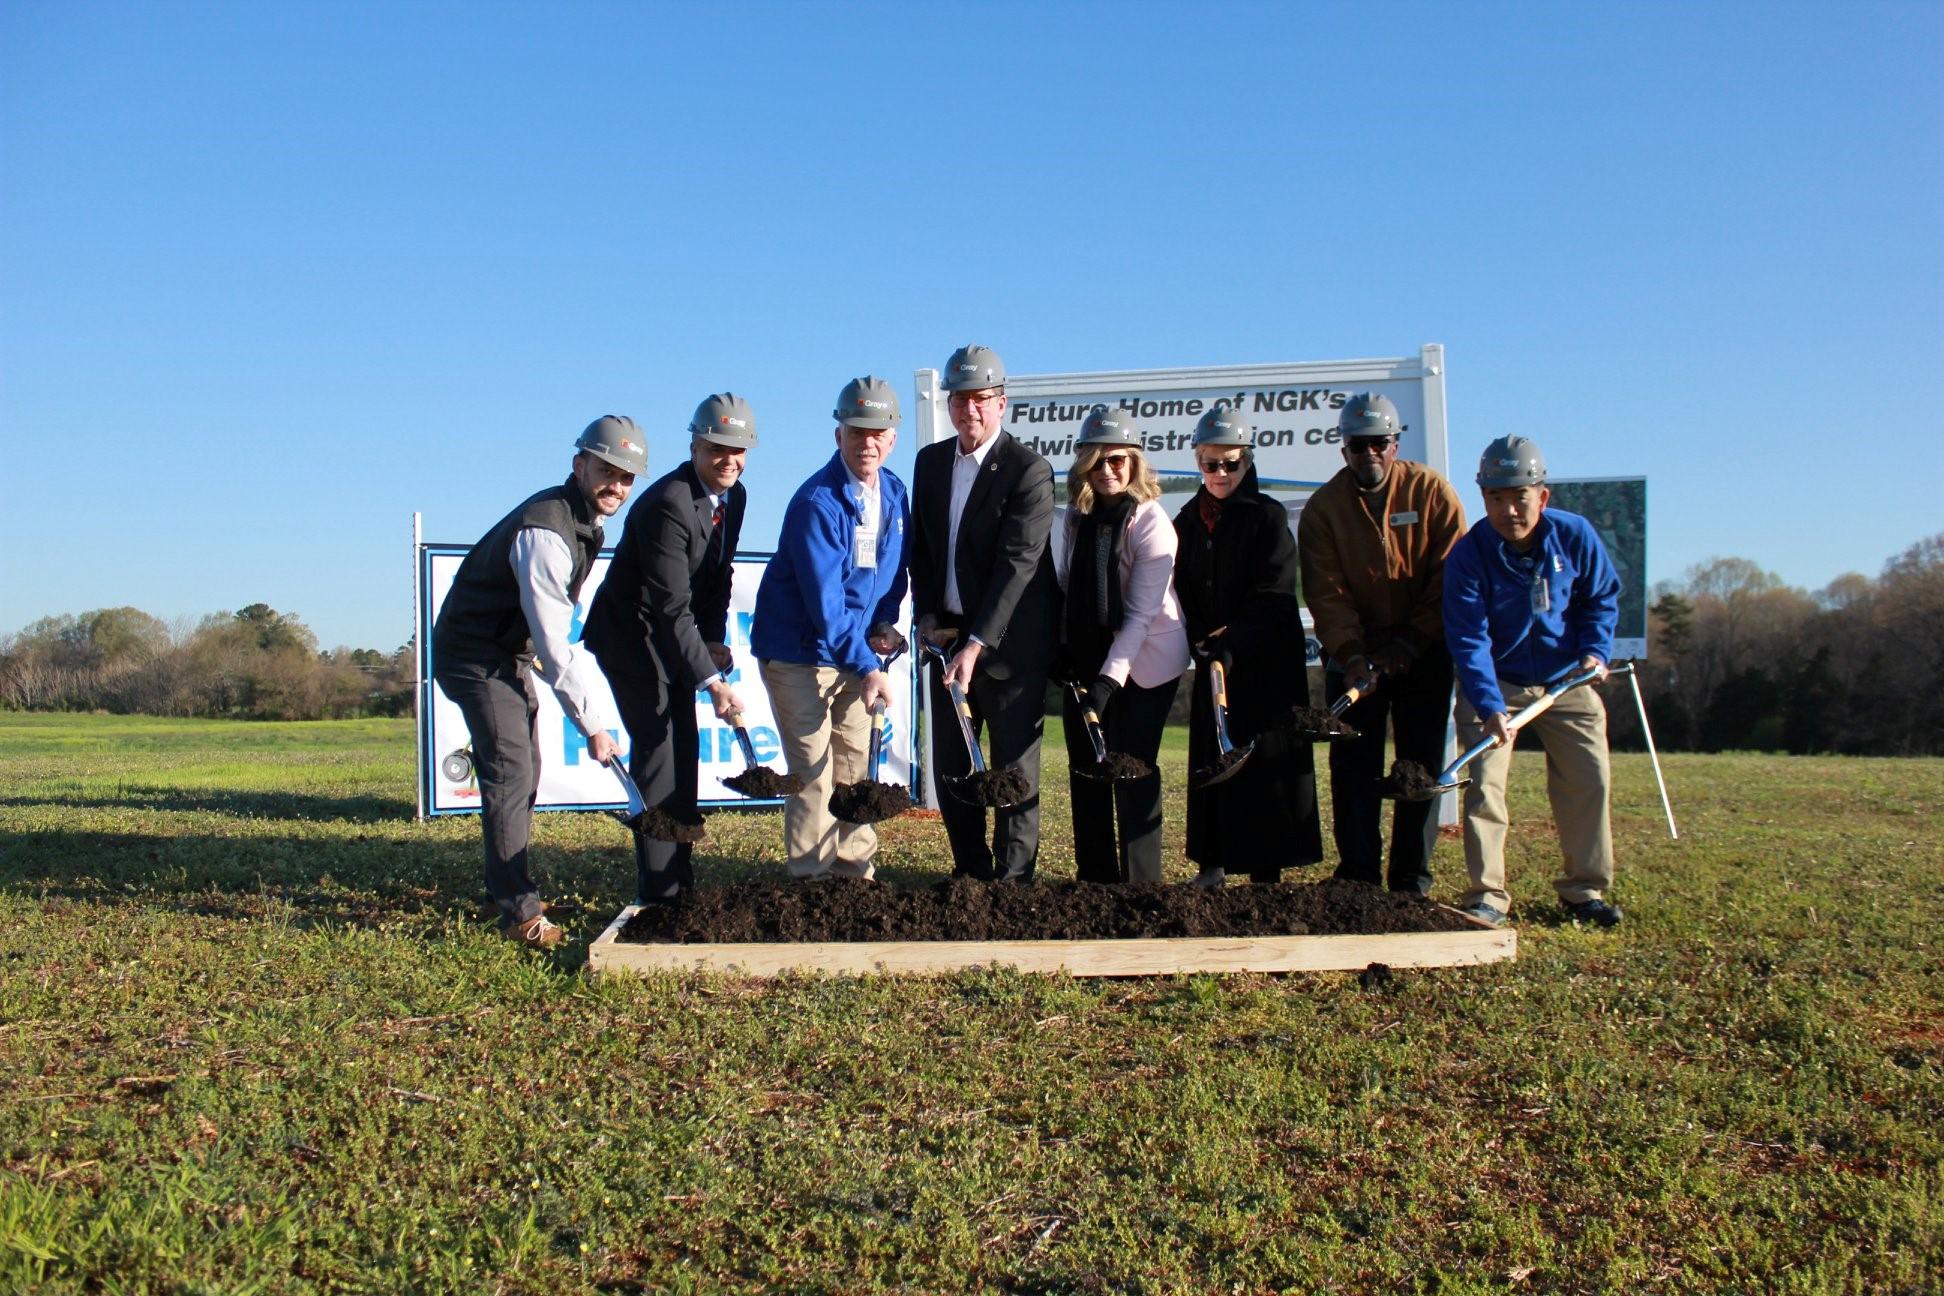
(1491, 915)
(1209, 879)
(535, 933)
(1597, 912)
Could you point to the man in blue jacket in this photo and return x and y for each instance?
(826, 611)
(1530, 596)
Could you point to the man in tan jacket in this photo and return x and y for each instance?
(1373, 542)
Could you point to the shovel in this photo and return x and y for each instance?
(1450, 781)
(1106, 766)
(982, 787)
(758, 781)
(868, 801)
(1229, 758)
(652, 823)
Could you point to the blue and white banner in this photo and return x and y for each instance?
(569, 778)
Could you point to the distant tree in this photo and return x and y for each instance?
(1814, 708)
(1743, 714)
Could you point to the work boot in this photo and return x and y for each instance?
(1597, 912)
(535, 933)
(1209, 879)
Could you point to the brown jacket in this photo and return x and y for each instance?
(1372, 581)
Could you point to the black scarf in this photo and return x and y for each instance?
(1093, 603)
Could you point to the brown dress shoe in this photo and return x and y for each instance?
(536, 933)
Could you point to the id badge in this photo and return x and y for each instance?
(864, 546)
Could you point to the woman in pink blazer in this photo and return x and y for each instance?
(1121, 637)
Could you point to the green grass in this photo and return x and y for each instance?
(253, 1038)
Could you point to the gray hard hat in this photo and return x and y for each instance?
(974, 368)
(1512, 461)
(615, 438)
(1223, 426)
(867, 402)
(725, 419)
(1368, 415)
(1108, 427)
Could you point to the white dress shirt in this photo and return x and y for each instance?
(542, 564)
(965, 471)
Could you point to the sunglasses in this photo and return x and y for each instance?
(1118, 462)
(1221, 466)
(1367, 445)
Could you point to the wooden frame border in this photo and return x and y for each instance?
(1081, 958)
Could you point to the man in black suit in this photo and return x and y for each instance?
(659, 625)
(983, 588)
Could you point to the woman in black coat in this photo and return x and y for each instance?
(1236, 576)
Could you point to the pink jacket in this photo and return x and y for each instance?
(1151, 646)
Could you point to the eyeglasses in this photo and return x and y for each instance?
(1368, 445)
(1118, 462)
(974, 398)
(1220, 466)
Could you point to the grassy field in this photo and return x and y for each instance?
(254, 1038)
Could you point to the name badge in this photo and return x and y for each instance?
(1404, 519)
(864, 546)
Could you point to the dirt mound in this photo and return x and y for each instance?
(842, 909)
(1409, 780)
(869, 802)
(764, 784)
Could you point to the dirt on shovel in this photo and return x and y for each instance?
(869, 802)
(1408, 780)
(1000, 787)
(664, 825)
(1313, 722)
(763, 783)
(1119, 765)
(1222, 764)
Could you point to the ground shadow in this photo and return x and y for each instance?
(354, 808)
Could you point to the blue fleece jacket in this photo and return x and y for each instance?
(816, 605)
(1527, 618)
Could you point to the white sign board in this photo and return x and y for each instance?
(1292, 407)
(569, 778)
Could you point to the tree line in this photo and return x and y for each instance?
(1736, 661)
(1739, 661)
(255, 663)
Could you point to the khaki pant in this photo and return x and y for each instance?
(826, 739)
(1574, 734)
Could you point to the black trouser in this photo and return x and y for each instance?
(1417, 705)
(502, 715)
(663, 757)
(1133, 725)
(1015, 708)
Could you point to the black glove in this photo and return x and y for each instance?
(1061, 669)
(1100, 693)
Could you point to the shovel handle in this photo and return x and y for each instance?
(963, 710)
(1350, 698)
(1218, 694)
(1528, 713)
(1094, 735)
(877, 740)
(742, 740)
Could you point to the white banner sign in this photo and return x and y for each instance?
(569, 778)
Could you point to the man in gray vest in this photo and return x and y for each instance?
(512, 601)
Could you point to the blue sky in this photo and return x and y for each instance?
(273, 276)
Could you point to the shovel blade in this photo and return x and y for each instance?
(1225, 767)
